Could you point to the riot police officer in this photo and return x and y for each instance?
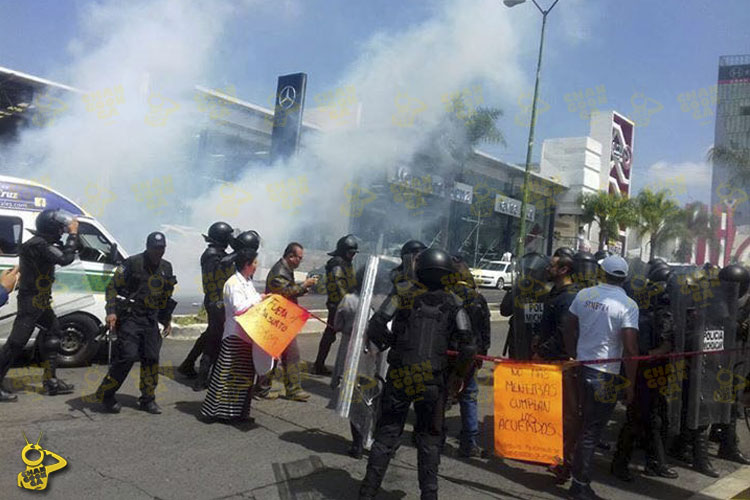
(525, 304)
(708, 321)
(340, 280)
(657, 382)
(727, 433)
(403, 274)
(214, 274)
(38, 258)
(419, 371)
(139, 297)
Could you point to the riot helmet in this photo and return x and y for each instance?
(53, 222)
(584, 268)
(534, 265)
(431, 265)
(219, 233)
(412, 247)
(345, 245)
(738, 274)
(156, 240)
(659, 273)
(655, 261)
(565, 251)
(246, 240)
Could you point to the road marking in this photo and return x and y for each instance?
(733, 486)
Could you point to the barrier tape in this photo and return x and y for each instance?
(644, 357)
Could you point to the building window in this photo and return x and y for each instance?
(10, 235)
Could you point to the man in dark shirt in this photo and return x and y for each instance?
(38, 258)
(551, 345)
(280, 280)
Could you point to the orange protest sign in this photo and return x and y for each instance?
(273, 323)
(528, 412)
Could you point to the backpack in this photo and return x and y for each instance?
(427, 331)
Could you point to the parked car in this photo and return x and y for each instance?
(496, 273)
(79, 289)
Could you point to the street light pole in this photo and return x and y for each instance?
(530, 146)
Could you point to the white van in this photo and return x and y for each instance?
(78, 293)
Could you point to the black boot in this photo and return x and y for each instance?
(55, 386)
(700, 454)
(7, 397)
(728, 449)
(679, 448)
(654, 469)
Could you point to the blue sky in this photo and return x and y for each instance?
(657, 48)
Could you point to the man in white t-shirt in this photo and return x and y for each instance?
(605, 321)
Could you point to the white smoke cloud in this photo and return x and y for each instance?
(155, 51)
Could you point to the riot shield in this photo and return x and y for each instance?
(530, 291)
(72, 289)
(711, 329)
(363, 370)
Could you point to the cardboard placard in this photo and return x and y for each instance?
(273, 323)
(528, 412)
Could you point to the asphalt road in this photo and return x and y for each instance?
(297, 450)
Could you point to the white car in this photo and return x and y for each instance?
(496, 273)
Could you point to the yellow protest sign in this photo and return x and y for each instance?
(273, 323)
(528, 412)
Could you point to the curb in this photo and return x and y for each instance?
(192, 332)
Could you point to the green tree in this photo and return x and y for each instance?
(659, 217)
(610, 211)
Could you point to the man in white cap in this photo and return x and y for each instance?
(605, 322)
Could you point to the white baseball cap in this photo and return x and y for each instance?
(615, 265)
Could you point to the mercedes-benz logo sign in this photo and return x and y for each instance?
(287, 97)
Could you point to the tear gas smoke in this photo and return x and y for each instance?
(138, 177)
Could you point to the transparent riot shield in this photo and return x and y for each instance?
(530, 290)
(360, 366)
(711, 329)
(72, 289)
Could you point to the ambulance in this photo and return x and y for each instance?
(78, 295)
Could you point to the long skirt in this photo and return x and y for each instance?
(230, 389)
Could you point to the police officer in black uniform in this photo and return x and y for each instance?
(657, 383)
(213, 277)
(418, 371)
(139, 297)
(403, 274)
(38, 258)
(726, 434)
(340, 280)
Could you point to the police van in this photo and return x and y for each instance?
(78, 294)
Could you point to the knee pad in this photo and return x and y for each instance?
(51, 344)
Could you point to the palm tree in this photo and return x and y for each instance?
(461, 131)
(698, 223)
(610, 211)
(658, 216)
(736, 159)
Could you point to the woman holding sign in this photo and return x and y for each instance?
(229, 391)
